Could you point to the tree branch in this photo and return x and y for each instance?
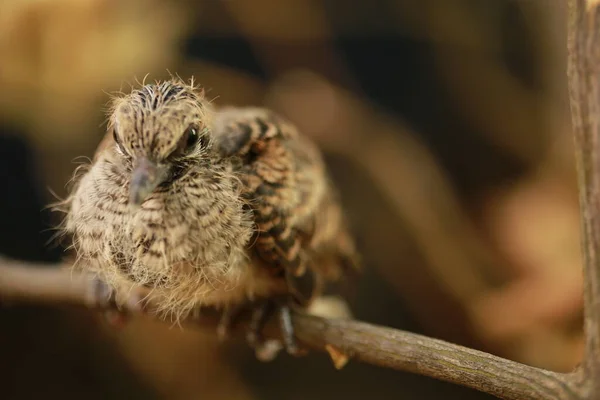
(584, 91)
(385, 347)
(438, 359)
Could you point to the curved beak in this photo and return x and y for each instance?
(145, 177)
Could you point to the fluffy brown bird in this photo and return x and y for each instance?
(206, 207)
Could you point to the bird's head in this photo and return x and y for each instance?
(159, 128)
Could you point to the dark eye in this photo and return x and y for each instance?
(193, 136)
(191, 133)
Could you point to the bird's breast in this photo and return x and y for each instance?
(188, 240)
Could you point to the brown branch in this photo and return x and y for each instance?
(438, 359)
(583, 53)
(372, 344)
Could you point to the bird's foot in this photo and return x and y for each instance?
(265, 349)
(103, 297)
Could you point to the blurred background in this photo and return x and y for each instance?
(445, 124)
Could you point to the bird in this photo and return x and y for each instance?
(198, 205)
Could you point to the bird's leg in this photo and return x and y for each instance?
(267, 349)
(228, 318)
(260, 316)
(287, 330)
(103, 296)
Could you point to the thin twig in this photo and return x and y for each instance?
(405, 351)
(385, 347)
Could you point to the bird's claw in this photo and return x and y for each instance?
(228, 317)
(117, 316)
(265, 349)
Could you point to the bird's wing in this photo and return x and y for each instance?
(300, 229)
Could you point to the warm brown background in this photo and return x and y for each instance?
(445, 123)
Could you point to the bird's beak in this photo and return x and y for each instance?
(145, 177)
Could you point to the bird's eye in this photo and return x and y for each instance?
(191, 138)
(194, 136)
(191, 134)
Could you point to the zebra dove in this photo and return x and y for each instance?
(202, 206)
